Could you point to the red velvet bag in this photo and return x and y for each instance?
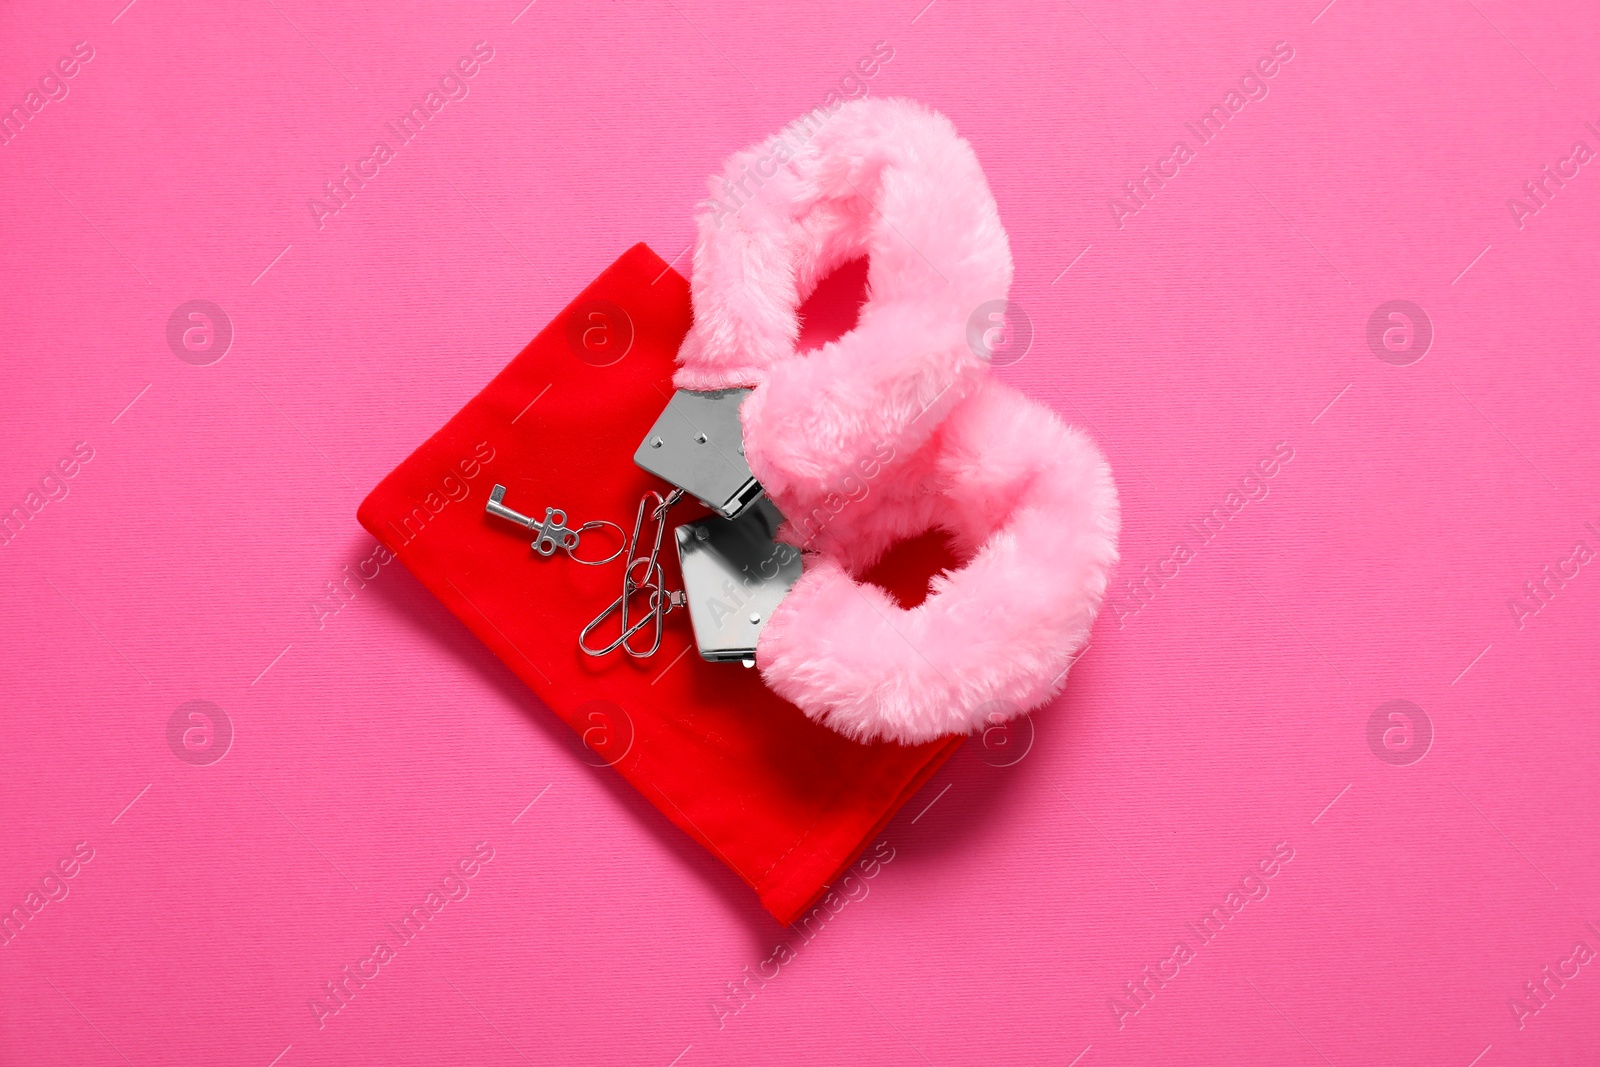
(786, 803)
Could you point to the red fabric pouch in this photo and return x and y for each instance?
(784, 802)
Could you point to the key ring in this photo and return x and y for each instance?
(595, 524)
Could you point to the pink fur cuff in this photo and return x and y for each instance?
(1029, 503)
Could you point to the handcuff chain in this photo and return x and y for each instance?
(662, 601)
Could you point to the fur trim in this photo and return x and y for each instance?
(894, 429)
(1032, 505)
(889, 179)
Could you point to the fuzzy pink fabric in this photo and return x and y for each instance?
(895, 429)
(888, 179)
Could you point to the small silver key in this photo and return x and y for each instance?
(553, 531)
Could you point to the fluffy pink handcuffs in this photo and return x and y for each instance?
(895, 429)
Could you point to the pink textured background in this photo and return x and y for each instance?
(373, 751)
